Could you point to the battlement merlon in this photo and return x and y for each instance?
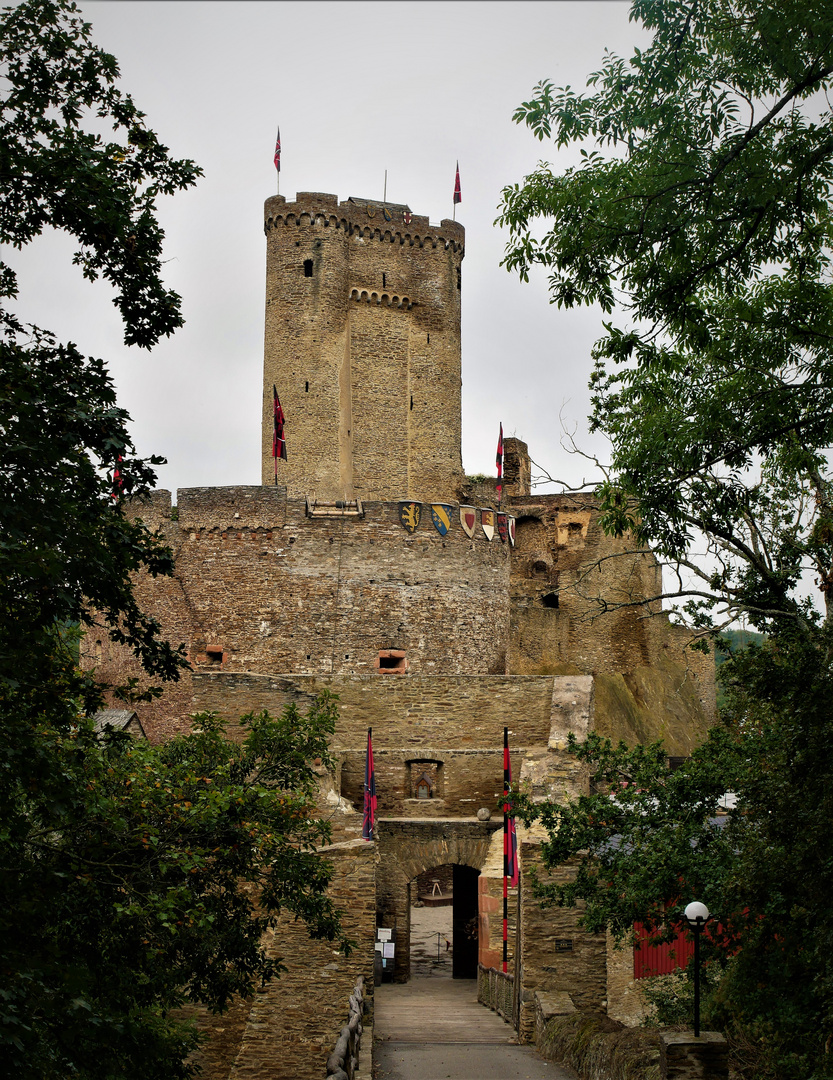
(372, 217)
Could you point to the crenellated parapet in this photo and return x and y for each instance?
(363, 219)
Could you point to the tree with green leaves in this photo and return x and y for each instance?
(137, 879)
(699, 221)
(133, 879)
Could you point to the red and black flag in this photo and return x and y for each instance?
(499, 464)
(510, 846)
(369, 819)
(278, 441)
(457, 194)
(278, 151)
(513, 837)
(118, 481)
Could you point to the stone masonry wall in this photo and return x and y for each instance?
(289, 1029)
(262, 586)
(362, 341)
(556, 955)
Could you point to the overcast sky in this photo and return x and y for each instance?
(357, 88)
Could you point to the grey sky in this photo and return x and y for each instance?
(357, 88)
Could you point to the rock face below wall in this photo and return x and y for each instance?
(647, 704)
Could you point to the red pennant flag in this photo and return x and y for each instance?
(369, 819)
(278, 151)
(457, 195)
(278, 441)
(499, 463)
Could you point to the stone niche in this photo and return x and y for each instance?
(424, 780)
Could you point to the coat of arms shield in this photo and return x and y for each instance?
(502, 526)
(468, 519)
(441, 516)
(510, 521)
(409, 515)
(487, 521)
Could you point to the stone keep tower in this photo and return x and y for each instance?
(363, 344)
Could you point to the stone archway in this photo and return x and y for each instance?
(409, 847)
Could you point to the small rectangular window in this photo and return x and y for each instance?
(307, 267)
(392, 661)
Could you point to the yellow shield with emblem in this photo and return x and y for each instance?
(409, 515)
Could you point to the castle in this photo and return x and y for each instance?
(352, 568)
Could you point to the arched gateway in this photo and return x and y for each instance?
(407, 848)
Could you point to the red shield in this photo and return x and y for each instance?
(468, 519)
(511, 524)
(502, 527)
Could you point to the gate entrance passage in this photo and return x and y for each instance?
(435, 863)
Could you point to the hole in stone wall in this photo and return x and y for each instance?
(412, 402)
(384, 280)
(391, 662)
(306, 387)
(550, 599)
(307, 267)
(214, 654)
(459, 276)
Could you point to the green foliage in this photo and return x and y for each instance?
(59, 91)
(647, 841)
(699, 221)
(67, 547)
(133, 879)
(138, 878)
(700, 215)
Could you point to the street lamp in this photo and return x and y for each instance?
(696, 915)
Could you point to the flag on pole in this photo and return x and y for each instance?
(499, 463)
(278, 151)
(118, 482)
(369, 819)
(512, 869)
(278, 441)
(457, 194)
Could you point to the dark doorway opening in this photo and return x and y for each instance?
(444, 923)
(464, 965)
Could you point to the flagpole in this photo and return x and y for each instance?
(505, 849)
(385, 193)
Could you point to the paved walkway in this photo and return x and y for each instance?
(434, 1029)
